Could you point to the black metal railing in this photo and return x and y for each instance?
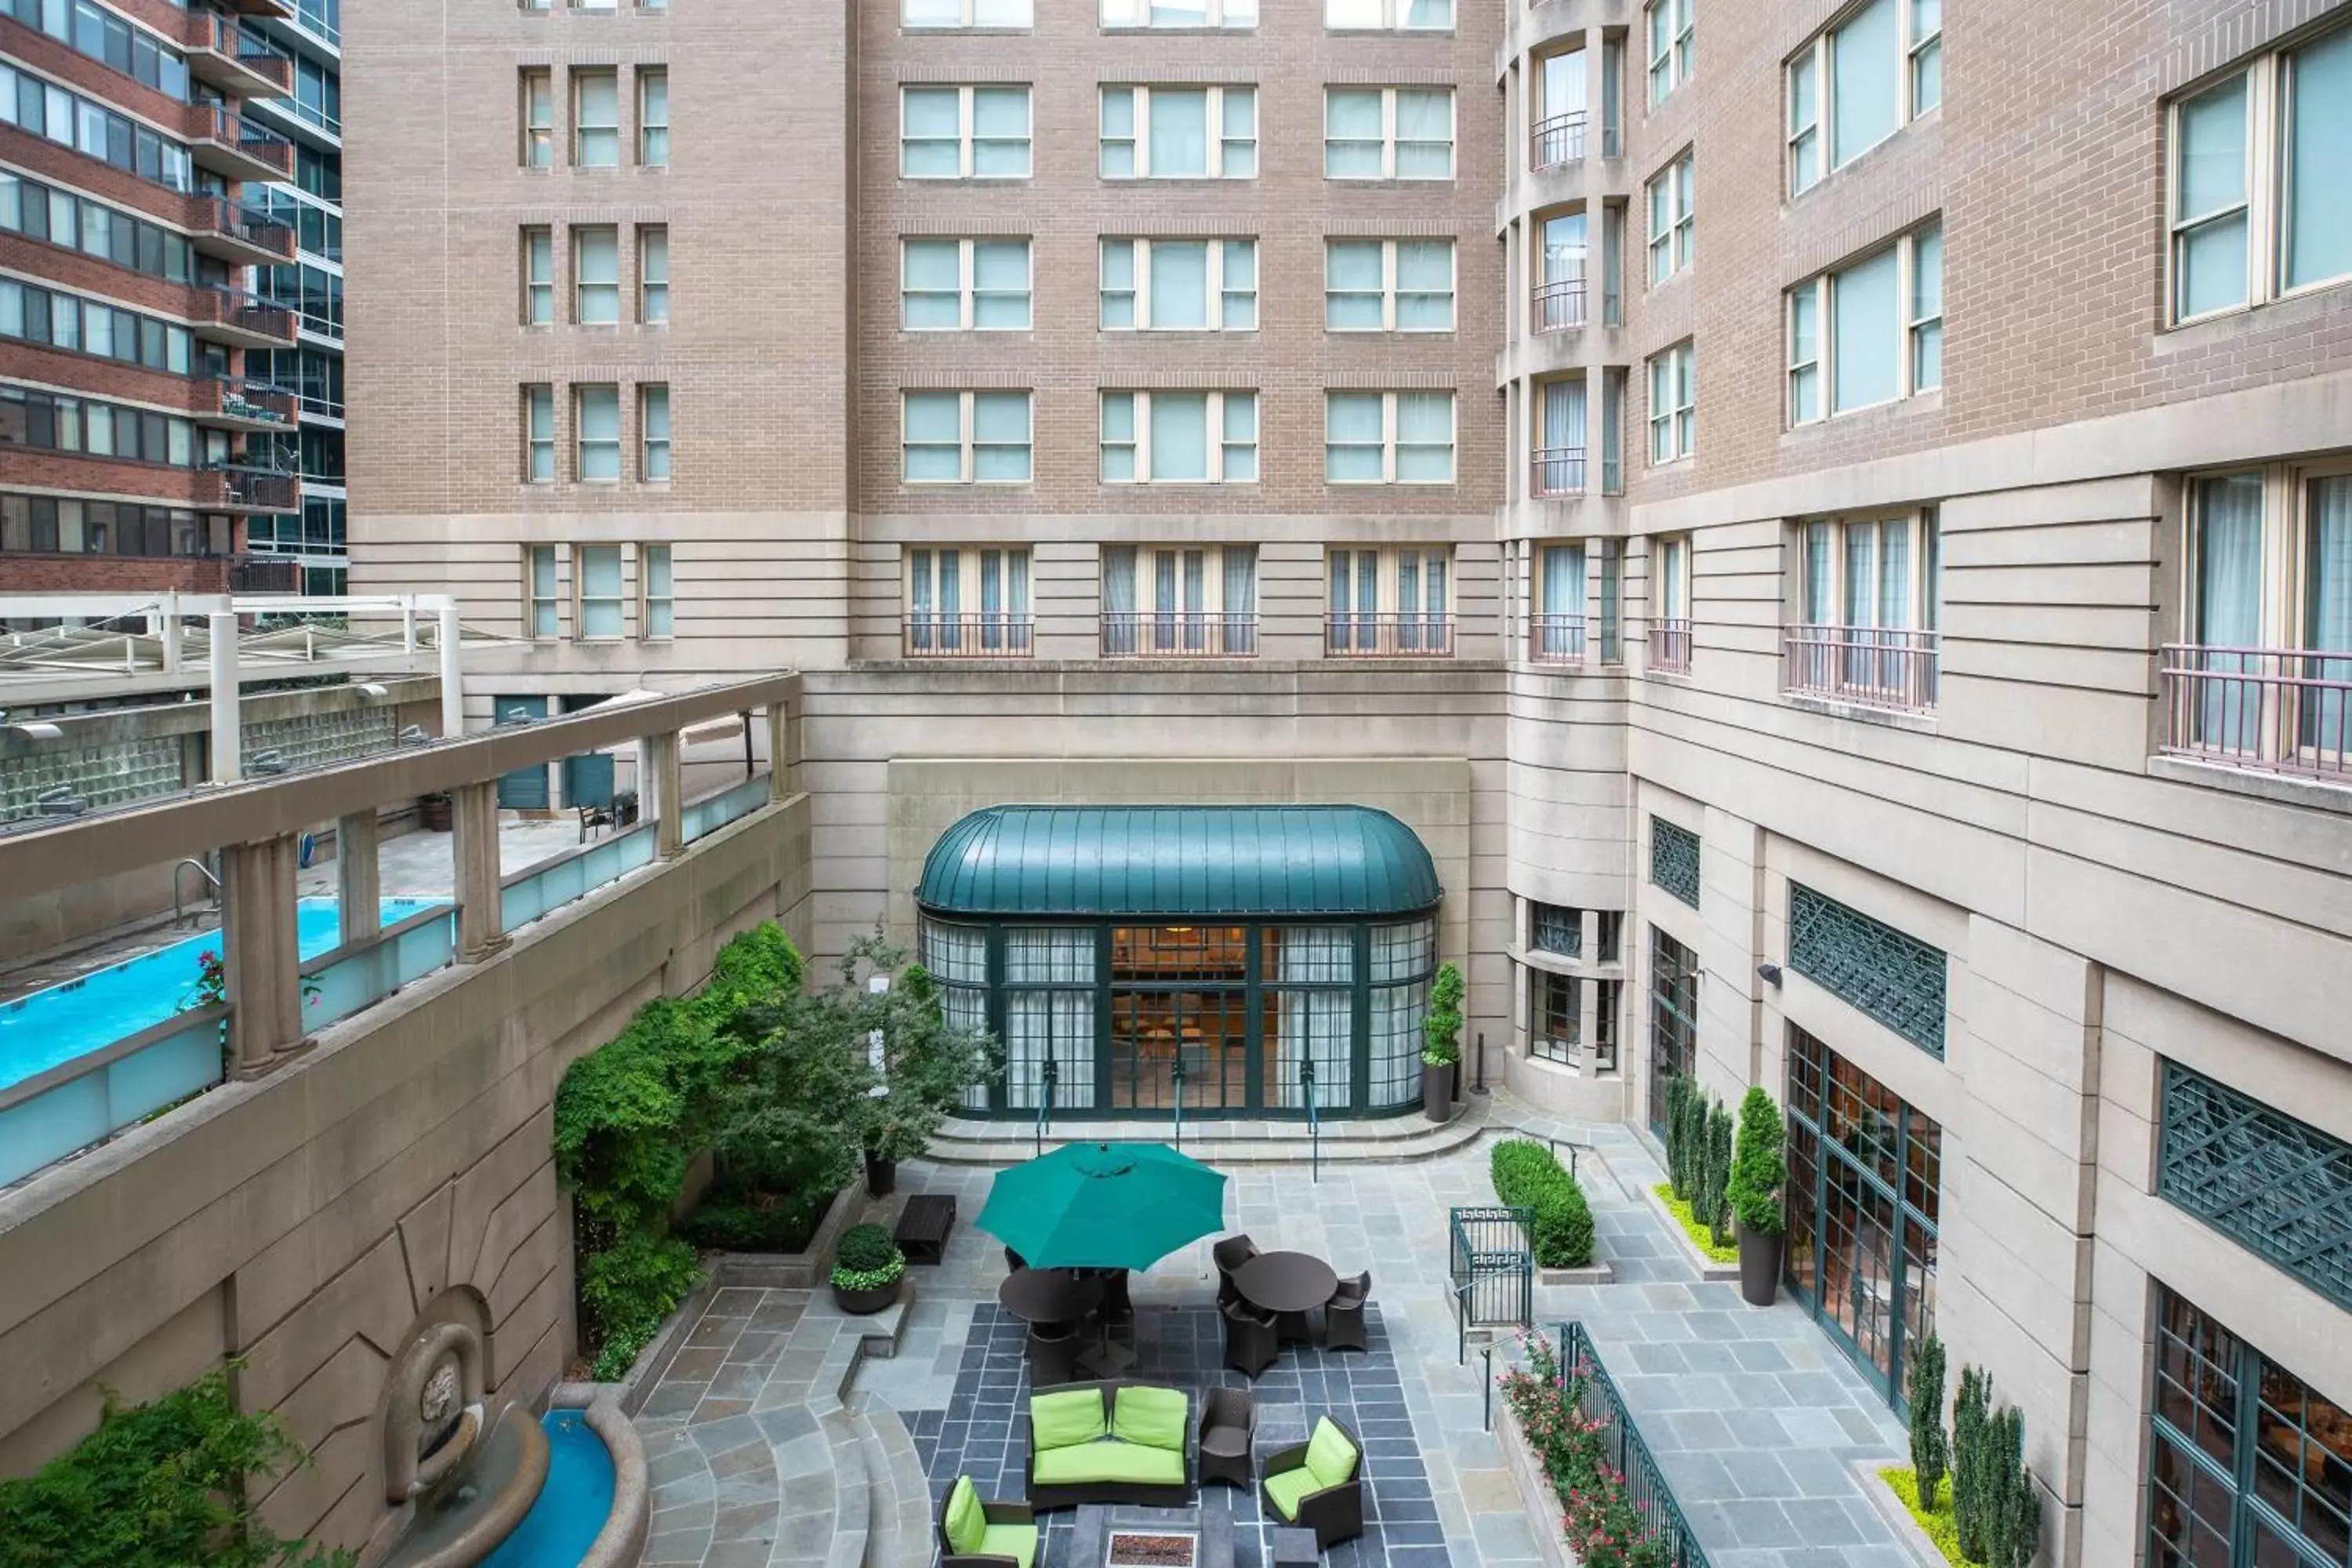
(1347, 634)
(929, 633)
(1178, 634)
(221, 215)
(1492, 1263)
(264, 575)
(1046, 1075)
(1645, 1483)
(1556, 139)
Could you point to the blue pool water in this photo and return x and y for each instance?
(47, 1027)
(572, 1507)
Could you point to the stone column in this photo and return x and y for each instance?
(259, 952)
(226, 756)
(782, 763)
(480, 923)
(359, 888)
(669, 794)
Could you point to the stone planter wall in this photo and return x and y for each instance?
(1536, 1496)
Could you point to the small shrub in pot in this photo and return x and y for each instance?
(866, 1268)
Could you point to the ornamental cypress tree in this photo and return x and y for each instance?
(1760, 1166)
(1931, 1451)
(1677, 1172)
(1972, 1433)
(2013, 1505)
(1718, 1172)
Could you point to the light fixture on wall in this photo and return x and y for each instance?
(1770, 974)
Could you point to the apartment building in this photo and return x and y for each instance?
(1834, 534)
(137, 429)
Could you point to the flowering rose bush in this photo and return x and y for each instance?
(1597, 1520)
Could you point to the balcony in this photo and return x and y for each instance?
(929, 633)
(231, 316)
(1892, 670)
(238, 235)
(1557, 140)
(231, 488)
(1178, 634)
(1556, 472)
(1413, 634)
(1557, 305)
(264, 575)
(1670, 646)
(220, 56)
(222, 142)
(2285, 712)
(240, 405)
(1556, 639)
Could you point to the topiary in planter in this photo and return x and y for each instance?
(866, 1268)
(1760, 1170)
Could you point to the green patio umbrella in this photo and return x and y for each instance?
(1103, 1206)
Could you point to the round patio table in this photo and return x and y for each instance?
(1048, 1295)
(1285, 1282)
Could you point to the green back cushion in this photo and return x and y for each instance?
(1330, 1455)
(1154, 1418)
(967, 1526)
(1058, 1420)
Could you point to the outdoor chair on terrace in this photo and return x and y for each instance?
(1343, 1320)
(1228, 1421)
(1318, 1485)
(1250, 1343)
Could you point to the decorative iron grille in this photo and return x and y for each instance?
(1895, 979)
(1674, 859)
(2273, 1185)
(1493, 1264)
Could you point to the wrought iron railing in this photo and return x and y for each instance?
(1556, 472)
(2263, 709)
(1348, 635)
(929, 633)
(1178, 634)
(1314, 1118)
(247, 312)
(1645, 1484)
(1670, 645)
(1888, 667)
(1557, 305)
(1556, 639)
(218, 215)
(1492, 1264)
(266, 490)
(234, 398)
(219, 122)
(1556, 139)
(1048, 1073)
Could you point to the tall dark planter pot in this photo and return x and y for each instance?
(1759, 1268)
(1436, 1091)
(881, 1176)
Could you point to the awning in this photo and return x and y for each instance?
(1179, 860)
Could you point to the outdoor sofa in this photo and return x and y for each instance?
(1116, 1441)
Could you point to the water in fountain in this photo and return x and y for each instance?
(460, 1520)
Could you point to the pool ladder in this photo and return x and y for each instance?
(178, 912)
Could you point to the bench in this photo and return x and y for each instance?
(922, 1233)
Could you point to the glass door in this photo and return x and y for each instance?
(1178, 1018)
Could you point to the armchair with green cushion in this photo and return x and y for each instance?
(1318, 1485)
(976, 1534)
(1108, 1442)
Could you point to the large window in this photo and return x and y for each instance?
(1667, 26)
(965, 437)
(1388, 285)
(43, 108)
(926, 14)
(965, 285)
(653, 117)
(596, 576)
(1387, 438)
(543, 601)
(1179, 285)
(536, 88)
(1390, 602)
(1558, 441)
(1123, 14)
(56, 422)
(596, 277)
(596, 119)
(596, 425)
(77, 223)
(968, 602)
(1867, 611)
(2256, 197)
(1388, 133)
(1868, 332)
(1556, 632)
(1179, 132)
(1672, 194)
(1179, 601)
(108, 39)
(1180, 437)
(963, 132)
(1859, 83)
(1673, 1019)
(1388, 15)
(1674, 404)
(36, 315)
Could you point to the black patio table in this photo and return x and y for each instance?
(1048, 1295)
(1285, 1282)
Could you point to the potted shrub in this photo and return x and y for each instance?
(866, 1268)
(1760, 1170)
(1441, 1043)
(434, 811)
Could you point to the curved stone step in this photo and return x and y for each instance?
(899, 1535)
(853, 1501)
(1385, 1140)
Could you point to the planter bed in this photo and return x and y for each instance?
(1708, 1268)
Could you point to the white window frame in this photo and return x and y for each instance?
(1810, 164)
(1674, 411)
(1220, 146)
(1395, 17)
(969, 623)
(539, 434)
(1135, 15)
(968, 447)
(1221, 300)
(1222, 443)
(1672, 245)
(1913, 325)
(653, 444)
(606, 289)
(1667, 47)
(1389, 136)
(539, 275)
(1670, 578)
(967, 280)
(580, 77)
(1389, 290)
(535, 86)
(966, 134)
(1921, 530)
(1388, 443)
(652, 274)
(969, 16)
(579, 442)
(542, 600)
(653, 135)
(657, 593)
(1387, 595)
(580, 602)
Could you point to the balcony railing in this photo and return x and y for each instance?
(264, 575)
(1415, 634)
(220, 215)
(261, 489)
(1178, 634)
(1556, 472)
(2264, 710)
(238, 400)
(1556, 139)
(1556, 639)
(1889, 668)
(930, 633)
(247, 315)
(211, 34)
(1646, 1489)
(1670, 645)
(1557, 305)
(218, 124)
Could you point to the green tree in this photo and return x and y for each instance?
(1931, 1452)
(2013, 1505)
(1679, 1089)
(1718, 1184)
(1440, 1032)
(1760, 1165)
(1971, 1434)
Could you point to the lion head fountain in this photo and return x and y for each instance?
(469, 1477)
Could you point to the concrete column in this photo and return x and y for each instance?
(258, 952)
(170, 633)
(480, 924)
(227, 763)
(779, 759)
(661, 753)
(358, 889)
(453, 686)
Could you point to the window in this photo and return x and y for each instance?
(597, 569)
(1556, 627)
(57, 423)
(596, 119)
(1859, 83)
(539, 562)
(1179, 132)
(1388, 285)
(963, 132)
(965, 437)
(652, 430)
(657, 612)
(1867, 609)
(538, 118)
(1178, 438)
(1674, 1018)
(1674, 861)
(1667, 24)
(1179, 14)
(915, 13)
(596, 415)
(1389, 602)
(2254, 207)
(537, 277)
(64, 219)
(539, 434)
(93, 327)
(1387, 438)
(1179, 601)
(1670, 197)
(653, 117)
(43, 108)
(652, 274)
(1179, 285)
(1388, 15)
(969, 602)
(1673, 408)
(1555, 1017)
(964, 285)
(1557, 137)
(1557, 930)
(1868, 332)
(596, 277)
(1558, 440)
(1388, 133)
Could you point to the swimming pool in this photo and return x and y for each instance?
(44, 1029)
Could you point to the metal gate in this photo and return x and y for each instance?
(1494, 1266)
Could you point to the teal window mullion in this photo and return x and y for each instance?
(1359, 1026)
(1000, 1094)
(1254, 1018)
(1102, 1019)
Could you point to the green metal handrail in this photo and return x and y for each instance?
(1178, 1072)
(1314, 1120)
(1645, 1484)
(1046, 1101)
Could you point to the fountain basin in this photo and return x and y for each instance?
(573, 1508)
(482, 1501)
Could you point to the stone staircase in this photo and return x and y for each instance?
(1226, 1142)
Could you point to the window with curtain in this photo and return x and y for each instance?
(1559, 458)
(1388, 133)
(1404, 958)
(1049, 1013)
(1311, 999)
(1857, 83)
(1394, 601)
(1178, 285)
(1165, 601)
(956, 958)
(1869, 332)
(1560, 614)
(975, 598)
(1179, 132)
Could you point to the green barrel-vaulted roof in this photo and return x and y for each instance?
(1178, 860)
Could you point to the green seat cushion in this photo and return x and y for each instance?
(1330, 1454)
(1113, 1461)
(1018, 1541)
(1058, 1420)
(1288, 1487)
(1155, 1418)
(966, 1525)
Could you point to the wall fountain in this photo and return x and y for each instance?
(471, 1476)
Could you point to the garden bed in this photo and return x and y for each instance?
(1712, 1265)
(1932, 1540)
